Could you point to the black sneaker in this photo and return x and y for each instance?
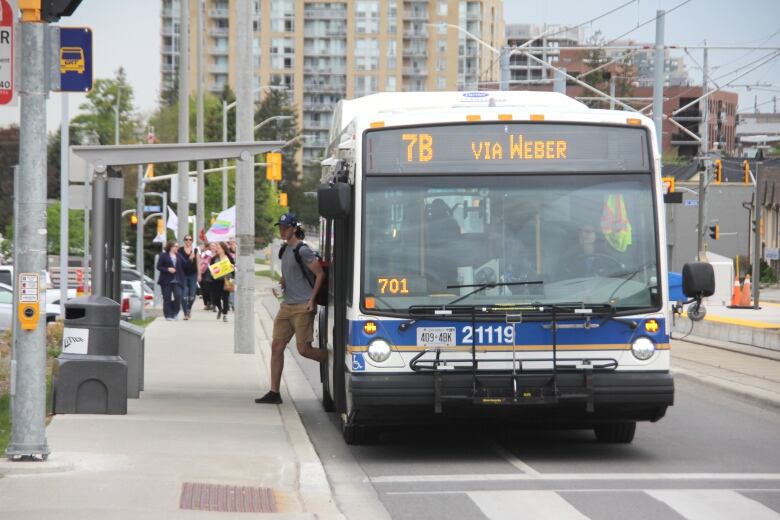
(270, 398)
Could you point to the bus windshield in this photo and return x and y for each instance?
(587, 237)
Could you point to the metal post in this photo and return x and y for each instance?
(64, 202)
(757, 241)
(28, 424)
(612, 94)
(183, 196)
(560, 82)
(244, 329)
(87, 220)
(116, 115)
(139, 233)
(165, 217)
(224, 161)
(505, 74)
(99, 199)
(200, 208)
(704, 153)
(658, 81)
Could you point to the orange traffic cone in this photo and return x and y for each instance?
(736, 293)
(746, 290)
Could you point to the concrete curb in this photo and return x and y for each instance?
(313, 485)
(759, 395)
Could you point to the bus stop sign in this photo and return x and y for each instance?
(7, 18)
(75, 59)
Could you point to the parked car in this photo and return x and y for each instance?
(133, 299)
(6, 308)
(7, 276)
(129, 275)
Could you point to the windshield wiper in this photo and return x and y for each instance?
(478, 287)
(487, 285)
(586, 310)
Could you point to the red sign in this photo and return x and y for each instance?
(7, 13)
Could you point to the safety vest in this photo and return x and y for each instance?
(614, 223)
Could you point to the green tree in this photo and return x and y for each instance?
(99, 115)
(267, 209)
(9, 156)
(75, 229)
(620, 69)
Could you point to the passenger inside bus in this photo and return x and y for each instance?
(441, 242)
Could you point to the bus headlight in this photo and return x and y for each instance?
(379, 350)
(643, 348)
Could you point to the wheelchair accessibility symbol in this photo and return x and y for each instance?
(358, 363)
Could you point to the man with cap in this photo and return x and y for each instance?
(299, 306)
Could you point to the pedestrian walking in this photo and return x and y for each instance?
(205, 275)
(299, 305)
(171, 280)
(189, 259)
(221, 286)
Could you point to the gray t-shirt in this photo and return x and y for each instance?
(296, 288)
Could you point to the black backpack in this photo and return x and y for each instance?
(322, 295)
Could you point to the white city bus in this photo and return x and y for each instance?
(493, 255)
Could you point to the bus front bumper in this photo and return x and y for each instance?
(567, 397)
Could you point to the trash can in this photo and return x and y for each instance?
(131, 349)
(89, 376)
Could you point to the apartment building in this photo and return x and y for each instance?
(324, 51)
(544, 43)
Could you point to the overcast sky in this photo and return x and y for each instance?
(126, 33)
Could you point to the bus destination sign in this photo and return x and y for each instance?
(505, 148)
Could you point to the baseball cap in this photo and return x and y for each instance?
(288, 219)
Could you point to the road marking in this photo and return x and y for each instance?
(578, 490)
(521, 505)
(713, 504)
(504, 477)
(514, 461)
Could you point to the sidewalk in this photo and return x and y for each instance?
(195, 427)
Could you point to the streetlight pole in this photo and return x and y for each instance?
(200, 211)
(183, 195)
(139, 231)
(244, 329)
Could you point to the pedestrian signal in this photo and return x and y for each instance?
(718, 171)
(746, 171)
(715, 232)
(668, 184)
(273, 166)
(283, 200)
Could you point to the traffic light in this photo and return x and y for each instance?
(52, 10)
(273, 166)
(718, 171)
(133, 220)
(715, 232)
(283, 199)
(668, 184)
(746, 171)
(160, 227)
(46, 10)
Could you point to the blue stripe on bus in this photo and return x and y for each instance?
(530, 333)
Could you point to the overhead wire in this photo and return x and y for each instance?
(647, 22)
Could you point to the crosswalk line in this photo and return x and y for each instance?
(522, 505)
(713, 504)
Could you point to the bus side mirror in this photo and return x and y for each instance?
(334, 201)
(698, 280)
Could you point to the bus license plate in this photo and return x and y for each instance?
(436, 337)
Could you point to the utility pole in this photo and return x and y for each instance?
(183, 196)
(244, 329)
(116, 112)
(757, 240)
(200, 211)
(704, 176)
(64, 201)
(658, 82)
(28, 425)
(139, 232)
(506, 76)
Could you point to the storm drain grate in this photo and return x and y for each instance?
(215, 497)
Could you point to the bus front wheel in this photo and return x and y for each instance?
(357, 434)
(615, 433)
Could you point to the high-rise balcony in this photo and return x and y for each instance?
(219, 12)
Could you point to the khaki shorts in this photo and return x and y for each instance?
(294, 319)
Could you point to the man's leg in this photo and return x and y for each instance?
(307, 351)
(277, 363)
